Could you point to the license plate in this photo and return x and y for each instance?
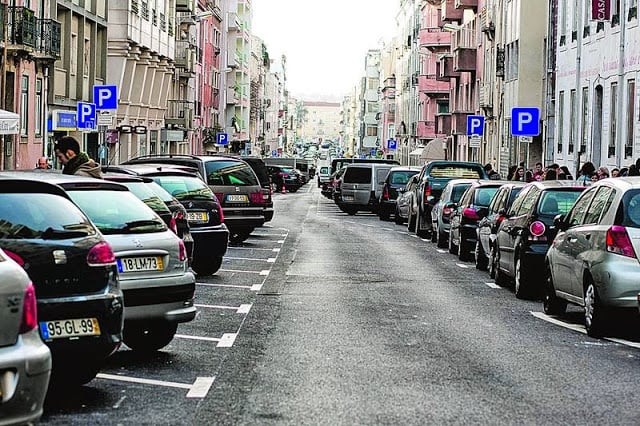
(198, 216)
(347, 198)
(135, 264)
(69, 328)
(237, 198)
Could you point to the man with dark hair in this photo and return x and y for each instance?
(75, 161)
(491, 174)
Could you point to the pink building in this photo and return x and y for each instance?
(208, 77)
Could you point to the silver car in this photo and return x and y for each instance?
(25, 361)
(157, 285)
(593, 261)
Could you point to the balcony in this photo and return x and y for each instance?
(179, 113)
(185, 6)
(233, 96)
(185, 59)
(449, 12)
(21, 28)
(445, 70)
(464, 47)
(443, 124)
(47, 40)
(428, 85)
(389, 83)
(466, 4)
(485, 96)
(434, 38)
(426, 129)
(459, 122)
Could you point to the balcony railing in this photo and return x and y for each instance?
(434, 38)
(185, 57)
(464, 47)
(21, 28)
(445, 70)
(48, 38)
(179, 113)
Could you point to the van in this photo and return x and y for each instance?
(362, 186)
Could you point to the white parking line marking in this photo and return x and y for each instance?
(244, 308)
(493, 285)
(441, 251)
(143, 381)
(414, 236)
(256, 287)
(239, 271)
(462, 265)
(200, 387)
(280, 241)
(206, 339)
(624, 342)
(120, 401)
(251, 258)
(402, 232)
(227, 340)
(387, 229)
(250, 248)
(271, 260)
(265, 272)
(224, 285)
(425, 239)
(276, 250)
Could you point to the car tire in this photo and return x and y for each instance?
(148, 337)
(441, 238)
(397, 218)
(522, 286)
(350, 212)
(384, 216)
(204, 266)
(453, 249)
(422, 233)
(411, 225)
(500, 278)
(68, 375)
(493, 265)
(481, 258)
(551, 303)
(463, 250)
(594, 313)
(434, 235)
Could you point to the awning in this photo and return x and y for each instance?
(9, 123)
(434, 150)
(417, 152)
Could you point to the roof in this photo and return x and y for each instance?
(66, 181)
(406, 168)
(152, 169)
(551, 184)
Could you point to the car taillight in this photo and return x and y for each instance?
(618, 241)
(178, 215)
(427, 193)
(100, 255)
(256, 197)
(385, 193)
(182, 251)
(173, 226)
(29, 310)
(470, 214)
(536, 231)
(500, 219)
(15, 257)
(284, 175)
(221, 213)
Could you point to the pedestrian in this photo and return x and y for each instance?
(519, 174)
(529, 177)
(567, 173)
(43, 163)
(615, 172)
(511, 172)
(560, 174)
(603, 173)
(633, 170)
(551, 174)
(75, 162)
(538, 172)
(586, 171)
(491, 174)
(624, 172)
(594, 177)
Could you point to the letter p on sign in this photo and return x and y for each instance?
(105, 97)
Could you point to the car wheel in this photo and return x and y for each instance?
(522, 285)
(594, 312)
(441, 238)
(68, 375)
(500, 278)
(551, 303)
(481, 257)
(434, 235)
(148, 337)
(422, 233)
(203, 265)
(492, 263)
(384, 216)
(239, 235)
(397, 218)
(350, 212)
(411, 226)
(463, 250)
(453, 249)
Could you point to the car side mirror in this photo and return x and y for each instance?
(402, 190)
(560, 222)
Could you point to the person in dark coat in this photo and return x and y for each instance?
(75, 162)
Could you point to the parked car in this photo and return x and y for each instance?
(527, 231)
(463, 226)
(260, 169)
(232, 180)
(160, 201)
(203, 211)
(397, 178)
(339, 163)
(73, 269)
(25, 361)
(442, 210)
(324, 174)
(362, 186)
(488, 225)
(284, 176)
(593, 261)
(404, 200)
(431, 181)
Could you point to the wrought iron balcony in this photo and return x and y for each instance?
(47, 39)
(21, 27)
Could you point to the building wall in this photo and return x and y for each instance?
(323, 121)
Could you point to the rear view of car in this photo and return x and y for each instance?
(80, 305)
(396, 179)
(25, 362)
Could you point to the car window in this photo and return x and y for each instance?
(557, 202)
(117, 212)
(324, 170)
(45, 216)
(529, 201)
(457, 171)
(457, 192)
(600, 204)
(357, 175)
(160, 192)
(630, 209)
(466, 197)
(184, 187)
(513, 194)
(229, 172)
(495, 203)
(401, 177)
(147, 195)
(517, 203)
(579, 210)
(484, 196)
(381, 174)
(259, 169)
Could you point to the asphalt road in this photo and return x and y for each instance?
(325, 318)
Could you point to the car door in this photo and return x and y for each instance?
(437, 209)
(456, 215)
(504, 229)
(513, 227)
(486, 223)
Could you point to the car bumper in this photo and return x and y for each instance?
(211, 240)
(469, 234)
(24, 376)
(242, 222)
(617, 279)
(268, 214)
(387, 207)
(532, 263)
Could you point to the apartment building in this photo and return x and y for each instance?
(596, 94)
(387, 114)
(322, 120)
(369, 140)
(348, 127)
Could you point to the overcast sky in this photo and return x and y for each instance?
(325, 41)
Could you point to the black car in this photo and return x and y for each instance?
(160, 201)
(488, 225)
(441, 211)
(464, 219)
(397, 179)
(232, 180)
(526, 232)
(73, 268)
(205, 216)
(284, 176)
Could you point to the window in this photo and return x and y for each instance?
(373, 107)
(372, 130)
(24, 106)
(555, 202)
(615, 13)
(528, 202)
(518, 201)
(560, 121)
(585, 119)
(373, 83)
(574, 21)
(572, 120)
(498, 201)
(613, 131)
(73, 60)
(38, 111)
(633, 10)
(357, 175)
(601, 203)
(230, 173)
(563, 22)
(631, 103)
(579, 211)
(443, 107)
(86, 57)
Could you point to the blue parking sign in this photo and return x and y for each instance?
(222, 139)
(475, 125)
(105, 97)
(86, 115)
(392, 144)
(525, 121)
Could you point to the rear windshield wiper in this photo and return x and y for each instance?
(140, 223)
(53, 234)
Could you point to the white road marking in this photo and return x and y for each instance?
(441, 251)
(425, 239)
(120, 401)
(250, 248)
(402, 232)
(224, 285)
(251, 258)
(143, 381)
(227, 340)
(624, 342)
(206, 339)
(493, 285)
(462, 265)
(200, 387)
(388, 229)
(239, 271)
(277, 250)
(257, 287)
(242, 309)
(271, 260)
(280, 241)
(264, 272)
(414, 236)
(370, 226)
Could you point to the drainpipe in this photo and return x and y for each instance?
(577, 137)
(619, 112)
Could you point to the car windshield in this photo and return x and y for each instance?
(117, 212)
(401, 177)
(148, 196)
(484, 196)
(184, 187)
(555, 202)
(41, 216)
(229, 172)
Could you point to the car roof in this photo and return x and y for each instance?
(405, 169)
(15, 184)
(125, 178)
(65, 181)
(557, 184)
(152, 169)
(454, 182)
(624, 183)
(187, 157)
